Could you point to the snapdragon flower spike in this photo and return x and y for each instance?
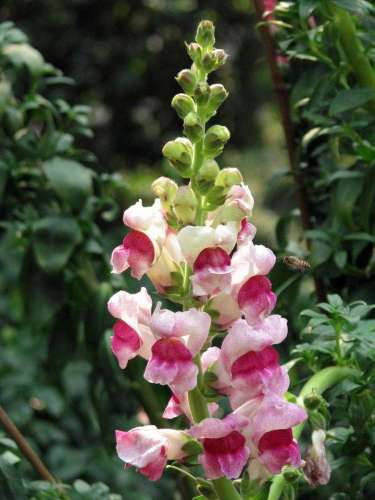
(142, 246)
(224, 447)
(180, 336)
(256, 298)
(132, 333)
(271, 432)
(212, 272)
(148, 448)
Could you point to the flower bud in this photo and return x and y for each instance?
(202, 93)
(183, 104)
(205, 35)
(185, 204)
(165, 189)
(208, 62)
(228, 177)
(194, 51)
(218, 94)
(207, 174)
(312, 401)
(187, 80)
(180, 153)
(220, 57)
(317, 469)
(291, 474)
(192, 127)
(215, 140)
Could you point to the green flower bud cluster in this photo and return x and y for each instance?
(194, 155)
(179, 203)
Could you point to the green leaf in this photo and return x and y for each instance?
(360, 6)
(350, 99)
(340, 259)
(11, 488)
(22, 54)
(306, 7)
(345, 198)
(54, 240)
(320, 253)
(71, 180)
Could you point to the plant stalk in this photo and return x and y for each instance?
(12, 430)
(282, 98)
(318, 383)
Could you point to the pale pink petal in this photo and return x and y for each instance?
(171, 363)
(278, 448)
(276, 326)
(163, 322)
(247, 232)
(154, 470)
(173, 408)
(140, 446)
(250, 260)
(215, 428)
(119, 259)
(256, 298)
(133, 308)
(212, 272)
(211, 360)
(228, 309)
(194, 239)
(195, 326)
(148, 220)
(241, 339)
(125, 343)
(225, 456)
(274, 414)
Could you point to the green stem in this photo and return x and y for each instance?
(224, 488)
(353, 47)
(318, 384)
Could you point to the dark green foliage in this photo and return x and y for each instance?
(333, 99)
(59, 380)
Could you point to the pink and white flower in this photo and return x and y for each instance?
(194, 239)
(256, 298)
(239, 203)
(179, 405)
(142, 246)
(271, 432)
(148, 448)
(212, 272)
(132, 333)
(224, 447)
(180, 336)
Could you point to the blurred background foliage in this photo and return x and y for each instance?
(77, 149)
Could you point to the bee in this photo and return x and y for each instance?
(296, 263)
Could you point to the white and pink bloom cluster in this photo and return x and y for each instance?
(226, 293)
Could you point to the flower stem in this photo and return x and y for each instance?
(318, 383)
(224, 488)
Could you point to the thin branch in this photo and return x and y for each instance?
(25, 449)
(282, 97)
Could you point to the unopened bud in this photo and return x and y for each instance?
(220, 57)
(215, 140)
(183, 104)
(193, 127)
(206, 175)
(165, 189)
(228, 177)
(317, 469)
(202, 93)
(187, 80)
(194, 51)
(312, 401)
(180, 153)
(185, 205)
(218, 94)
(208, 62)
(205, 35)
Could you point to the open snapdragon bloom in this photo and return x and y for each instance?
(213, 336)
